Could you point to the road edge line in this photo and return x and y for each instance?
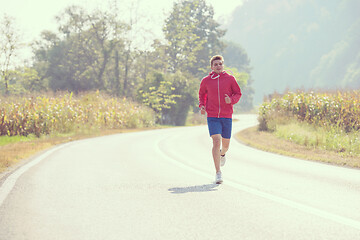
(11, 180)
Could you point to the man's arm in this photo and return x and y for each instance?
(202, 95)
(236, 95)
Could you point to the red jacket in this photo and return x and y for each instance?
(212, 94)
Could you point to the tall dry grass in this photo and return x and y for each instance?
(66, 113)
(329, 121)
(340, 109)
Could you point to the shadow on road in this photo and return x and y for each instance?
(199, 188)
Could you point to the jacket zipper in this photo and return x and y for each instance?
(219, 95)
(217, 77)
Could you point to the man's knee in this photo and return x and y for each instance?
(216, 139)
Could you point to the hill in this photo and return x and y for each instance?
(299, 44)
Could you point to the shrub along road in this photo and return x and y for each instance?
(159, 185)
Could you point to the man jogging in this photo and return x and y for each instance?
(218, 93)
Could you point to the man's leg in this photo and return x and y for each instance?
(225, 145)
(216, 150)
(226, 134)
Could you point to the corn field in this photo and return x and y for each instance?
(66, 113)
(340, 109)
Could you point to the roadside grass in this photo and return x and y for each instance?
(331, 139)
(321, 126)
(4, 140)
(306, 142)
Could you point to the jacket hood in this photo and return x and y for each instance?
(215, 75)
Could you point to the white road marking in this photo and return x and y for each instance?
(302, 207)
(10, 181)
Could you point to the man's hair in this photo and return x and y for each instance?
(216, 57)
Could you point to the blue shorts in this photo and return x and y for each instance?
(220, 126)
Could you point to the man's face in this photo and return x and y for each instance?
(217, 66)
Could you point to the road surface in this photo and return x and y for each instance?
(159, 185)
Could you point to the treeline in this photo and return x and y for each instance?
(97, 51)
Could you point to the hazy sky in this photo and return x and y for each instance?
(33, 16)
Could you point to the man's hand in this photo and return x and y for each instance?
(202, 109)
(227, 99)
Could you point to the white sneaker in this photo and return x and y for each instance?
(222, 160)
(218, 178)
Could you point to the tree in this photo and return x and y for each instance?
(237, 59)
(69, 54)
(31, 80)
(9, 44)
(158, 94)
(193, 36)
(243, 79)
(42, 50)
(86, 55)
(186, 88)
(108, 31)
(78, 57)
(236, 56)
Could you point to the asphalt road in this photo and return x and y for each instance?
(159, 185)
